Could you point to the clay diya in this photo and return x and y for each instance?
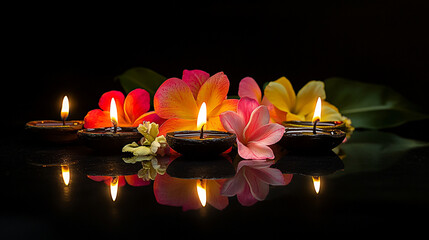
(308, 136)
(201, 142)
(56, 131)
(110, 139)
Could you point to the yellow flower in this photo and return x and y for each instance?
(151, 144)
(150, 169)
(289, 106)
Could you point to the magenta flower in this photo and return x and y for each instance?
(253, 130)
(252, 181)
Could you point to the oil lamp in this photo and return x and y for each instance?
(200, 142)
(110, 139)
(310, 137)
(56, 131)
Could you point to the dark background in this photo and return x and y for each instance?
(77, 50)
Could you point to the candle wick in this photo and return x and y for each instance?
(64, 122)
(314, 125)
(115, 127)
(202, 132)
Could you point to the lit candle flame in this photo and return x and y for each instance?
(113, 112)
(317, 110)
(201, 190)
(202, 116)
(114, 187)
(316, 183)
(65, 108)
(66, 174)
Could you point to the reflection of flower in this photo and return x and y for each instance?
(151, 168)
(253, 130)
(252, 180)
(183, 193)
(151, 144)
(179, 100)
(132, 180)
(132, 110)
(290, 106)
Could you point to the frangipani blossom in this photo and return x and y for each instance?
(132, 110)
(300, 107)
(253, 130)
(179, 100)
(252, 181)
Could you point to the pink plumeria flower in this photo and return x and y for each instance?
(252, 181)
(253, 130)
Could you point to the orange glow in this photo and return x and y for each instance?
(65, 108)
(113, 112)
(114, 187)
(316, 183)
(317, 110)
(66, 174)
(201, 190)
(202, 116)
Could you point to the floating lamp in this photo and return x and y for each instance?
(56, 131)
(200, 142)
(309, 137)
(110, 139)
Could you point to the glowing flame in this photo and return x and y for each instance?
(114, 187)
(202, 116)
(201, 190)
(317, 110)
(66, 174)
(316, 183)
(113, 112)
(65, 108)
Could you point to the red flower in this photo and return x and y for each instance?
(132, 110)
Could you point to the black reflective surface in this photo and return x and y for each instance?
(376, 181)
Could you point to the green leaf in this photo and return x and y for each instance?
(370, 105)
(141, 77)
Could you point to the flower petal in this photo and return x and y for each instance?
(174, 99)
(227, 105)
(267, 134)
(214, 197)
(136, 104)
(307, 97)
(149, 117)
(245, 108)
(97, 119)
(135, 181)
(213, 92)
(249, 88)
(233, 123)
(234, 185)
(254, 150)
(177, 124)
(329, 113)
(246, 198)
(258, 188)
(280, 93)
(195, 79)
(259, 117)
(105, 99)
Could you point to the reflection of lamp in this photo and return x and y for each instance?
(202, 191)
(65, 172)
(114, 187)
(201, 175)
(314, 165)
(316, 183)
